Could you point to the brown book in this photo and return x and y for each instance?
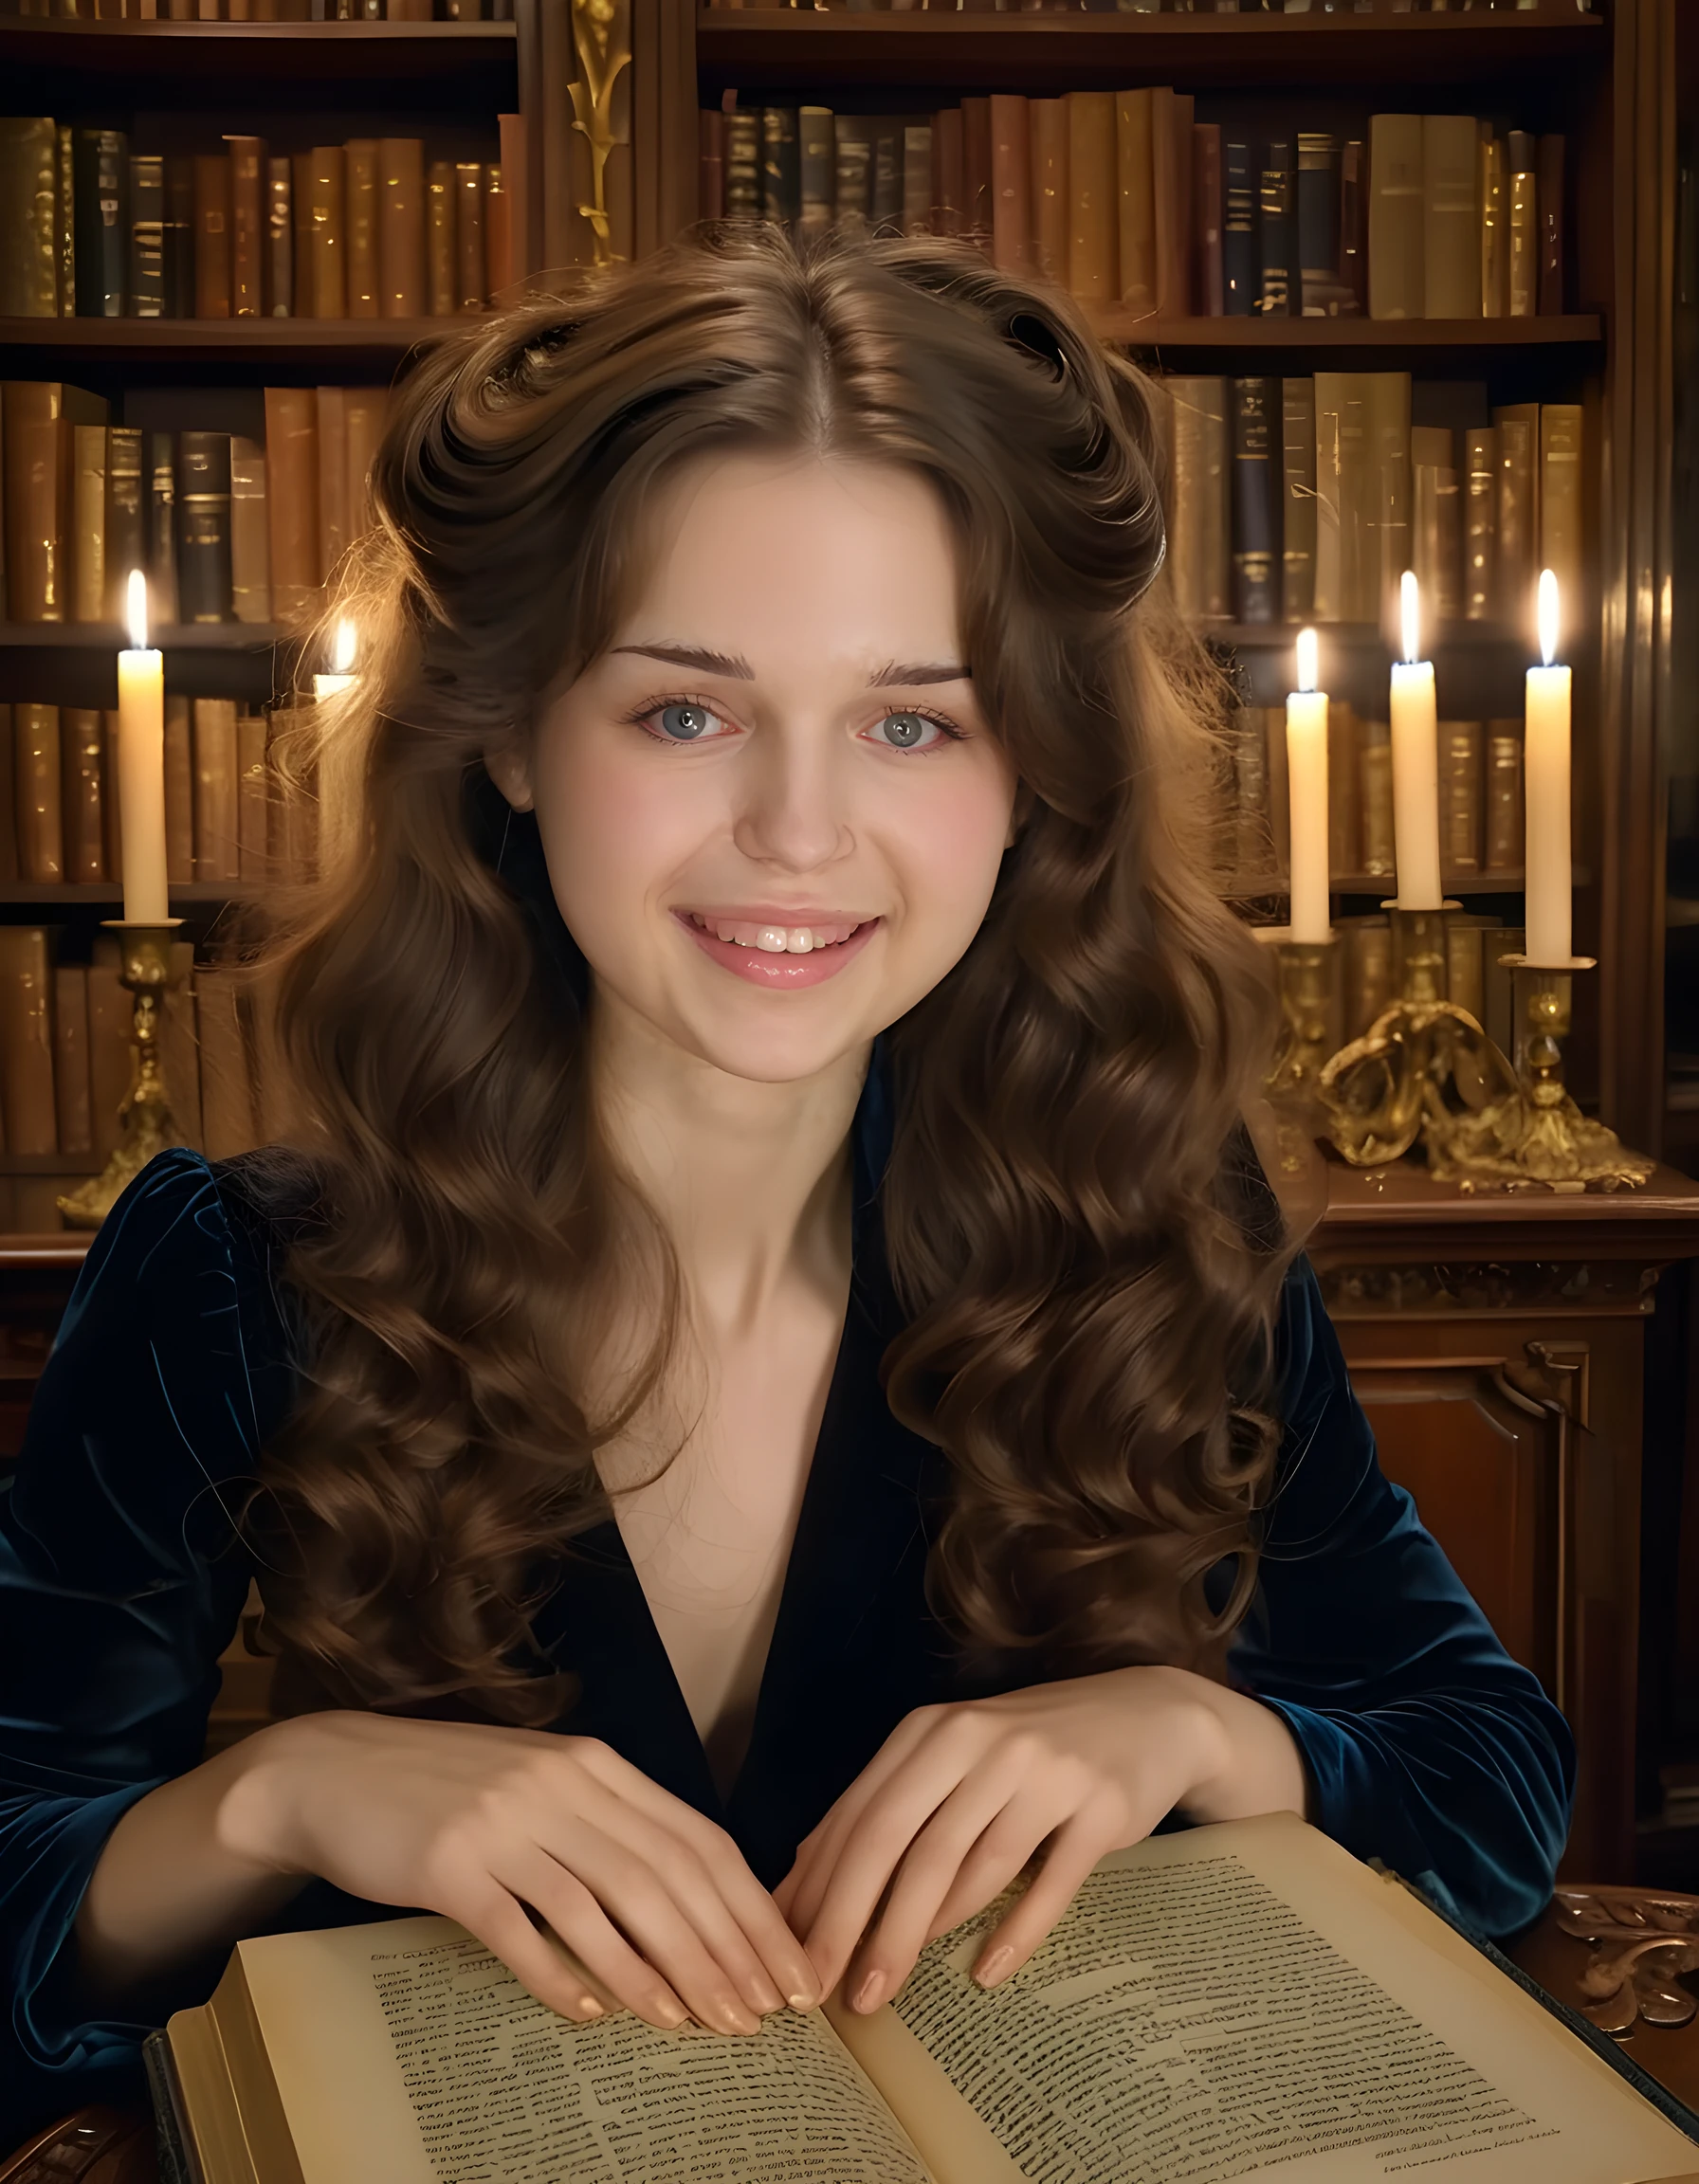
(439, 239)
(1560, 510)
(560, 243)
(1436, 531)
(111, 1056)
(1297, 518)
(1480, 525)
(212, 235)
(88, 523)
(1460, 797)
(1518, 429)
(217, 840)
(1522, 277)
(250, 175)
(65, 216)
(1280, 787)
(1495, 215)
(1170, 188)
(126, 523)
(401, 226)
(498, 236)
(38, 794)
(1465, 958)
(179, 1050)
(1011, 182)
(949, 171)
(280, 240)
(29, 233)
(1549, 286)
(335, 530)
(1135, 200)
(710, 164)
(1387, 551)
(115, 833)
(1093, 196)
(1451, 216)
(1367, 972)
(226, 1099)
(1502, 823)
(1209, 276)
(250, 536)
(27, 1095)
(1374, 797)
(81, 752)
(9, 797)
(1252, 851)
(1200, 485)
(363, 416)
(254, 795)
(1345, 855)
(292, 500)
(70, 1059)
(1046, 134)
(330, 238)
(292, 831)
(179, 792)
(37, 417)
(1397, 224)
(300, 198)
(471, 274)
(515, 167)
(975, 172)
(364, 275)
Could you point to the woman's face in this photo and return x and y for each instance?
(772, 811)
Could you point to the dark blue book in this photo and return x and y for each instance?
(1241, 276)
(1255, 559)
(100, 214)
(1275, 226)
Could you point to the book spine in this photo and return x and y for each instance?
(471, 272)
(1240, 273)
(1280, 788)
(70, 1059)
(251, 542)
(1047, 143)
(280, 241)
(887, 179)
(253, 797)
(65, 218)
(250, 167)
(916, 180)
(362, 420)
(115, 841)
(83, 820)
(1317, 225)
(1522, 277)
(1549, 195)
(1171, 142)
(1518, 431)
(1386, 554)
(217, 838)
(1460, 797)
(1298, 500)
(1353, 230)
(1345, 856)
(178, 251)
(782, 179)
(498, 235)
(1464, 963)
(439, 238)
(1091, 183)
(36, 502)
(1480, 525)
(88, 523)
(515, 167)
(102, 221)
(1199, 525)
(111, 1021)
(160, 459)
(292, 500)
(334, 516)
(817, 161)
(1560, 506)
(203, 527)
(27, 1094)
(1494, 216)
(1255, 593)
(975, 172)
(1254, 844)
(179, 792)
(212, 236)
(1274, 230)
(1374, 797)
(401, 226)
(28, 217)
(1503, 815)
(949, 176)
(1451, 216)
(742, 133)
(329, 242)
(146, 286)
(710, 163)
(227, 1103)
(1398, 243)
(179, 1050)
(126, 518)
(1010, 183)
(37, 794)
(1135, 200)
(1206, 200)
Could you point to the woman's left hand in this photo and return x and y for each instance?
(959, 1797)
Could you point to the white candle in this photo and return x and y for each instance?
(141, 767)
(1545, 774)
(341, 663)
(1307, 778)
(1414, 765)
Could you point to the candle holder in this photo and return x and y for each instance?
(1293, 1082)
(144, 967)
(1533, 1135)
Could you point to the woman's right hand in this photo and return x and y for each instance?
(487, 1825)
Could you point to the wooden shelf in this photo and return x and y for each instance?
(292, 345)
(1259, 886)
(1366, 637)
(73, 894)
(1383, 335)
(409, 53)
(169, 637)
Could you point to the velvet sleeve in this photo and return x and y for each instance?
(121, 1580)
(1426, 1746)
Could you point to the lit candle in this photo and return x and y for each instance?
(141, 767)
(341, 663)
(1414, 765)
(1307, 778)
(1546, 775)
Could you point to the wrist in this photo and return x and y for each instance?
(254, 1811)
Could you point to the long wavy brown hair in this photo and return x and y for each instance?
(1088, 1309)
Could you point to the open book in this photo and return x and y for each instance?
(1239, 2001)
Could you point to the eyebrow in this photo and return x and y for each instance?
(899, 673)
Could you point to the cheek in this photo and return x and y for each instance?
(616, 831)
(949, 848)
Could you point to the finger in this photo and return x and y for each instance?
(820, 1850)
(1076, 1850)
(492, 1915)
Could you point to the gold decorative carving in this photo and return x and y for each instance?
(603, 52)
(144, 967)
(1641, 1943)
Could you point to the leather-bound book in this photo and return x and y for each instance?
(26, 1097)
(949, 175)
(1397, 232)
(330, 242)
(500, 269)
(9, 800)
(1353, 229)
(83, 818)
(1386, 553)
(204, 527)
(710, 161)
(1451, 216)
(102, 216)
(1135, 203)
(1549, 206)
(975, 172)
(1046, 139)
(250, 534)
(1480, 524)
(816, 164)
(1092, 253)
(212, 235)
(146, 284)
(1297, 499)
(1345, 854)
(360, 178)
(1495, 214)
(516, 164)
(363, 411)
(292, 500)
(1523, 272)
(88, 523)
(115, 832)
(279, 239)
(227, 1098)
(39, 416)
(917, 179)
(471, 273)
(335, 523)
(38, 791)
(885, 213)
(249, 172)
(559, 240)
(401, 226)
(159, 479)
(1171, 180)
(1560, 547)
(1240, 273)
(1465, 956)
(65, 218)
(301, 200)
(1436, 528)
(111, 1021)
(1011, 182)
(781, 173)
(744, 164)
(1207, 218)
(1518, 429)
(1276, 223)
(1502, 812)
(439, 239)
(179, 1050)
(254, 796)
(1319, 291)
(126, 516)
(1253, 855)
(1460, 797)
(1374, 798)
(28, 217)
(1280, 787)
(178, 251)
(1201, 527)
(72, 1115)
(180, 790)
(1255, 581)
(217, 838)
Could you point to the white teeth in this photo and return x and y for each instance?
(774, 939)
(800, 941)
(771, 939)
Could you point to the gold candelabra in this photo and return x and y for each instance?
(144, 967)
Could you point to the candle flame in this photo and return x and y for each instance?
(1306, 659)
(1409, 615)
(1548, 615)
(137, 604)
(342, 652)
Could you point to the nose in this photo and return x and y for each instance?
(794, 798)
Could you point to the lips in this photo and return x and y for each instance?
(762, 952)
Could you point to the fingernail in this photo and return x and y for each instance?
(767, 1996)
(868, 1993)
(589, 2007)
(803, 2001)
(995, 1966)
(672, 2014)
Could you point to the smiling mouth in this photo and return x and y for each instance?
(778, 939)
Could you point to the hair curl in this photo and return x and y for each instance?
(1089, 1314)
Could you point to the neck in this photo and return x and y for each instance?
(751, 1181)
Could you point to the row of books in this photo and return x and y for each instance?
(366, 229)
(1159, 7)
(1306, 501)
(264, 11)
(226, 528)
(1124, 197)
(1481, 813)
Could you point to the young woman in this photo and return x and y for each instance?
(765, 1395)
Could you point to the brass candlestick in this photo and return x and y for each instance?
(145, 967)
(1293, 1082)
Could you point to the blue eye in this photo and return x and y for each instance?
(905, 731)
(684, 723)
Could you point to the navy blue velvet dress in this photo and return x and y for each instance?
(121, 1580)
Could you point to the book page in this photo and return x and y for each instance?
(1243, 2001)
(405, 2053)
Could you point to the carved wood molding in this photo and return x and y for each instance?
(1615, 1287)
